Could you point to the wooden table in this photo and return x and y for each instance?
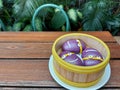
(24, 60)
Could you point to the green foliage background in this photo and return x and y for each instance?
(86, 15)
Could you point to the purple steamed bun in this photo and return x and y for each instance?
(71, 58)
(91, 52)
(91, 57)
(73, 45)
(91, 62)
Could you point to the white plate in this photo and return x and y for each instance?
(100, 84)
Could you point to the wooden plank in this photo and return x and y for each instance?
(114, 50)
(25, 50)
(19, 88)
(117, 38)
(110, 88)
(40, 50)
(24, 59)
(115, 72)
(25, 72)
(35, 73)
(47, 36)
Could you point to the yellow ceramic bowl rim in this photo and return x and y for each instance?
(79, 69)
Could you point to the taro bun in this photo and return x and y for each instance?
(91, 57)
(74, 45)
(71, 58)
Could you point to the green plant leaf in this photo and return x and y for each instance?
(1, 4)
(72, 13)
(95, 15)
(9, 28)
(92, 25)
(26, 8)
(94, 21)
(113, 24)
(2, 26)
(18, 26)
(28, 28)
(57, 21)
(38, 24)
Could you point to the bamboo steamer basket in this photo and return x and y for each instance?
(80, 76)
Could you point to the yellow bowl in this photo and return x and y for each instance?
(80, 76)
